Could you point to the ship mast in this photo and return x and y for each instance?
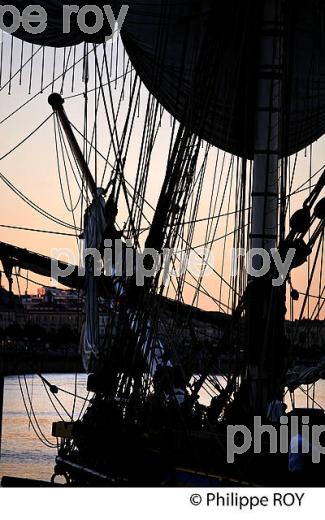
(265, 312)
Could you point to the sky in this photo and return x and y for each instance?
(32, 166)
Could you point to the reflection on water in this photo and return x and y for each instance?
(26, 455)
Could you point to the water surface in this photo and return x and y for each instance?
(25, 454)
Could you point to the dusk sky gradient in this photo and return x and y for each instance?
(32, 168)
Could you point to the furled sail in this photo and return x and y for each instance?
(93, 235)
(199, 60)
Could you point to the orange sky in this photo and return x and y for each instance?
(32, 169)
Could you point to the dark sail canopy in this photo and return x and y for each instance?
(198, 58)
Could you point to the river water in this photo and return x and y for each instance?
(25, 454)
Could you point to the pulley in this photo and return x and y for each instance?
(294, 295)
(302, 251)
(300, 220)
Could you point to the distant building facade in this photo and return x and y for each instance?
(9, 304)
(52, 308)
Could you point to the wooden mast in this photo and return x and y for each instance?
(56, 101)
(265, 313)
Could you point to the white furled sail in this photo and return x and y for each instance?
(93, 236)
